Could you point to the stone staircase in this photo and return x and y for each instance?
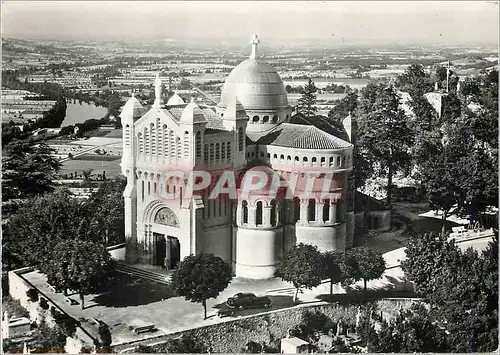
(158, 277)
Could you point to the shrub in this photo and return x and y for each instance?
(32, 295)
(44, 304)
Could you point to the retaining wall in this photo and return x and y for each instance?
(232, 335)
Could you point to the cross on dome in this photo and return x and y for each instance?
(254, 42)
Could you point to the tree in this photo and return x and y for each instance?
(344, 107)
(29, 170)
(462, 288)
(46, 221)
(79, 265)
(307, 102)
(302, 266)
(108, 208)
(384, 132)
(412, 331)
(363, 263)
(332, 267)
(184, 345)
(414, 80)
(200, 277)
(425, 256)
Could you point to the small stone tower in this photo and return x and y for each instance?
(132, 110)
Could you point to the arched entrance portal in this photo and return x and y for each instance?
(168, 251)
(167, 248)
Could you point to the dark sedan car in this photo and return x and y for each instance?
(247, 300)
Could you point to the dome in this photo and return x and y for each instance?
(257, 86)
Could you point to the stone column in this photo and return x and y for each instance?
(239, 213)
(319, 213)
(251, 215)
(266, 216)
(303, 211)
(333, 213)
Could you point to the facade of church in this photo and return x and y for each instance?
(248, 130)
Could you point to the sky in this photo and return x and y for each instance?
(396, 22)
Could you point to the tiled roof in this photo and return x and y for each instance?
(323, 123)
(213, 121)
(302, 137)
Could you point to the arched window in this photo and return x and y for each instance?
(244, 206)
(127, 135)
(311, 210)
(275, 119)
(165, 140)
(326, 210)
(153, 138)
(268, 155)
(211, 152)
(296, 209)
(217, 151)
(273, 213)
(172, 143)
(304, 159)
(331, 161)
(275, 156)
(186, 144)
(223, 150)
(205, 153)
(146, 141)
(282, 157)
(339, 160)
(258, 214)
(228, 150)
(297, 158)
(265, 119)
(241, 140)
(314, 160)
(289, 158)
(178, 147)
(141, 142)
(198, 145)
(255, 119)
(323, 160)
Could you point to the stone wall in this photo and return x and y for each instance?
(232, 335)
(18, 286)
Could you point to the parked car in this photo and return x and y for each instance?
(248, 300)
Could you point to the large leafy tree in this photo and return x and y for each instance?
(343, 108)
(412, 331)
(200, 277)
(384, 132)
(34, 231)
(363, 263)
(80, 266)
(29, 169)
(108, 208)
(307, 102)
(425, 254)
(414, 80)
(302, 266)
(462, 288)
(332, 267)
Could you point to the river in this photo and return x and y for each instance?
(79, 113)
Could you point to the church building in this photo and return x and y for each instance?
(250, 128)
